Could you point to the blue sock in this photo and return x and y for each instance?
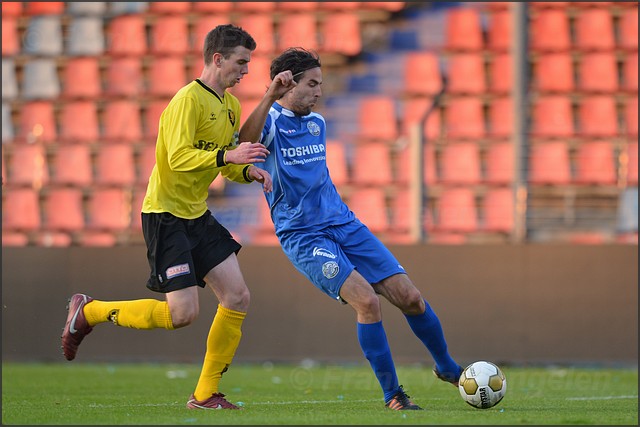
(427, 327)
(374, 344)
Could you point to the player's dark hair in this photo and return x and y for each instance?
(223, 39)
(295, 59)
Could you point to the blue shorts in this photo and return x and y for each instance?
(327, 257)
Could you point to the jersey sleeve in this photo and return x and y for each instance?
(179, 123)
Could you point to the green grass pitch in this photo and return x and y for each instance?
(129, 394)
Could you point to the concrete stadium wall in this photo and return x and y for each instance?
(529, 304)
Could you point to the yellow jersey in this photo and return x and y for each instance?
(195, 130)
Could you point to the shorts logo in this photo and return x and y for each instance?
(330, 269)
(313, 128)
(178, 270)
(323, 252)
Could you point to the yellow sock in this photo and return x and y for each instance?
(222, 342)
(137, 314)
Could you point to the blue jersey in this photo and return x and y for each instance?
(303, 196)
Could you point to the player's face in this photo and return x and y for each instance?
(306, 94)
(233, 68)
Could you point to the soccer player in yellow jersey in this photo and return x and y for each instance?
(186, 245)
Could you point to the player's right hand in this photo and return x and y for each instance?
(247, 152)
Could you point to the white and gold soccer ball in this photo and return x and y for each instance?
(482, 384)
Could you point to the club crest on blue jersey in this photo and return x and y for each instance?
(330, 269)
(314, 129)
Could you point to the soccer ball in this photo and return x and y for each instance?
(482, 385)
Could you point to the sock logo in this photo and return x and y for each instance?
(113, 316)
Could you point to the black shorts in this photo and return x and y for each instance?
(182, 251)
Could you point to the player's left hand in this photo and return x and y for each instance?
(262, 176)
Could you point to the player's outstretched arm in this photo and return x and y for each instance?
(246, 153)
(252, 128)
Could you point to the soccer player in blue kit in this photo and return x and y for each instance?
(322, 237)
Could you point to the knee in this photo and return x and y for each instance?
(184, 315)
(413, 303)
(238, 300)
(370, 304)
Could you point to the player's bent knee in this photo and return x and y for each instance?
(183, 317)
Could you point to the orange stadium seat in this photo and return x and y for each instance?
(21, 209)
(402, 206)
(377, 118)
(460, 163)
(28, 166)
(297, 6)
(594, 30)
(152, 114)
(124, 77)
(553, 72)
(170, 7)
(501, 73)
(500, 31)
(391, 6)
(79, 122)
(337, 162)
(550, 31)
(338, 5)
(37, 122)
(170, 34)
(166, 76)
(255, 7)
(628, 26)
(463, 29)
(422, 74)
(457, 210)
(63, 209)
(404, 169)
(10, 36)
(499, 163)
(372, 164)
(115, 165)
(14, 238)
(501, 117)
(498, 208)
(122, 121)
(466, 74)
(464, 118)
(630, 73)
(598, 72)
(297, 29)
(126, 35)
(81, 78)
(631, 116)
(11, 8)
(549, 163)
(412, 111)
(72, 165)
(262, 29)
(205, 23)
(369, 205)
(595, 163)
(340, 33)
(145, 162)
(109, 209)
(212, 6)
(33, 8)
(90, 238)
(598, 116)
(552, 117)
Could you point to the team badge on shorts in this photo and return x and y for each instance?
(330, 269)
(314, 129)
